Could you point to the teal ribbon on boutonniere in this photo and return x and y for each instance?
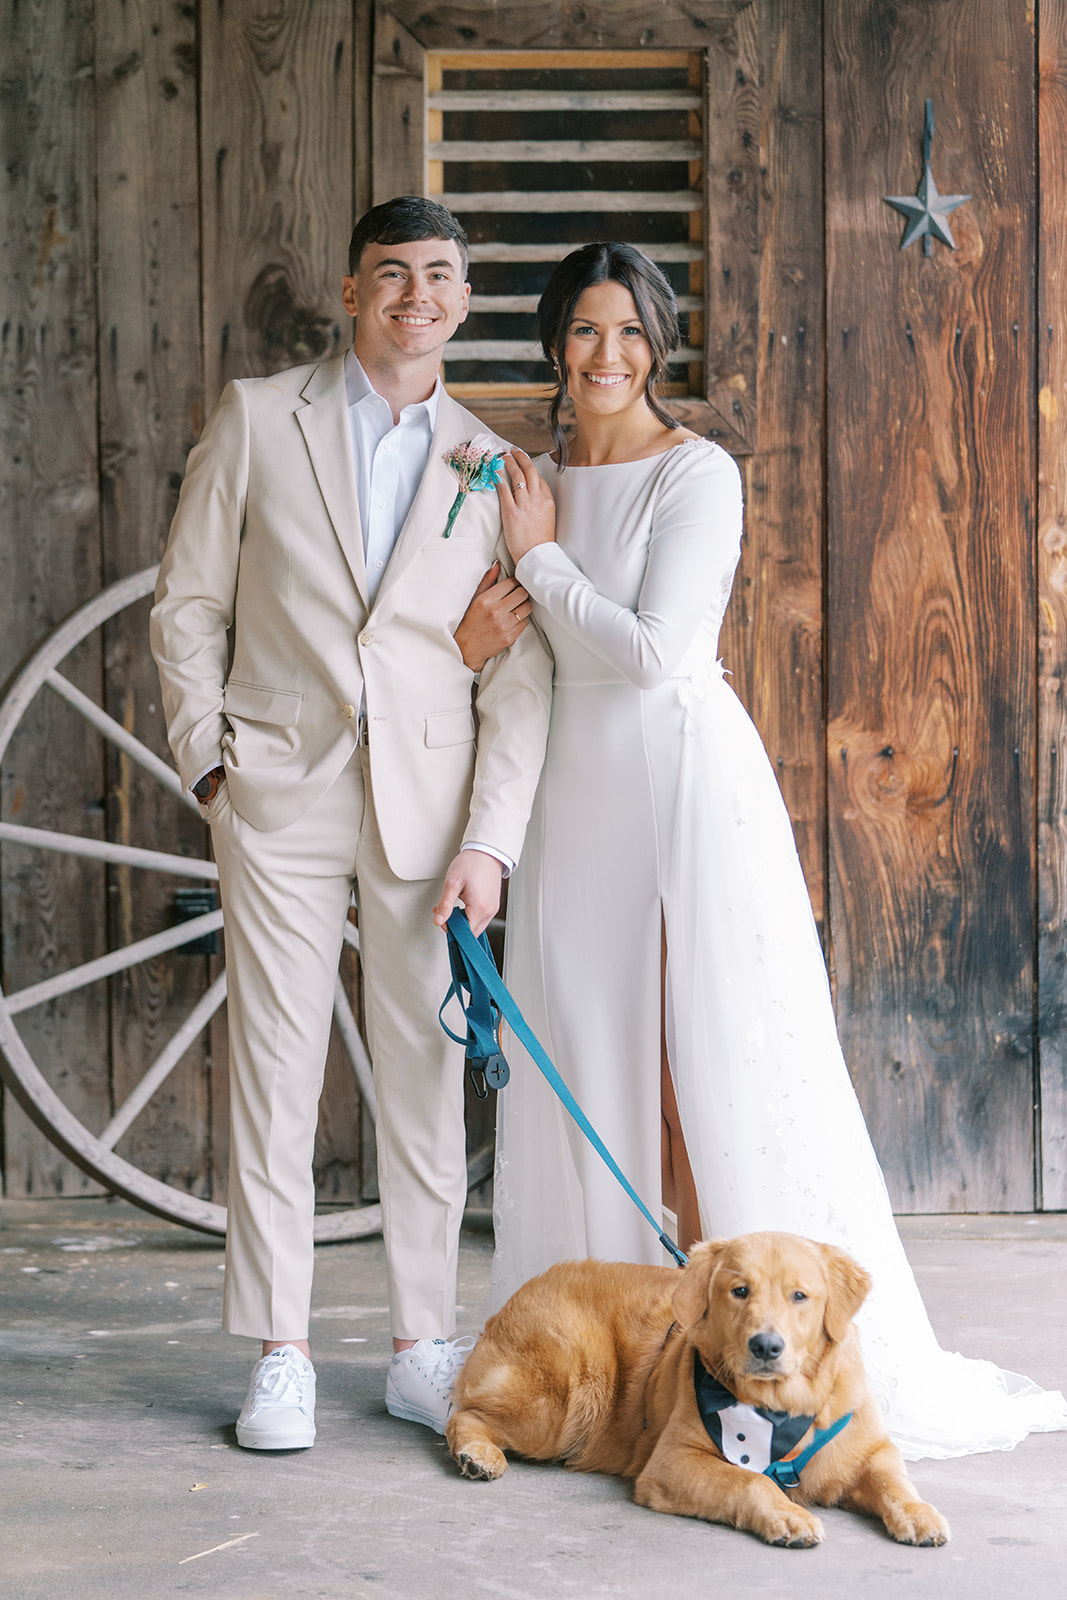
(478, 464)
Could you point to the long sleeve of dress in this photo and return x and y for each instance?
(695, 535)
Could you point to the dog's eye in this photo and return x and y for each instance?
(741, 1292)
(799, 1295)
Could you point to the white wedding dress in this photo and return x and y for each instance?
(657, 800)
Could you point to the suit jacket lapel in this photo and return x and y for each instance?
(324, 424)
(434, 496)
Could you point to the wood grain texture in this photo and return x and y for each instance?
(772, 638)
(52, 906)
(276, 163)
(398, 97)
(732, 181)
(934, 902)
(1052, 602)
(150, 415)
(559, 24)
(930, 621)
(362, 137)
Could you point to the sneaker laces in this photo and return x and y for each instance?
(449, 1356)
(283, 1380)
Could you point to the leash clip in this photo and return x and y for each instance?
(487, 1072)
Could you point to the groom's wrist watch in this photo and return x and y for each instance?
(206, 788)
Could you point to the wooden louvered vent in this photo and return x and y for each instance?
(539, 152)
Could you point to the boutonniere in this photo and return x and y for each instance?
(478, 464)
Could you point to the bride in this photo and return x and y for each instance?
(660, 938)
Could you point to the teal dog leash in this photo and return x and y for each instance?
(485, 1002)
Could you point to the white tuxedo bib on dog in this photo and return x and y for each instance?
(749, 1436)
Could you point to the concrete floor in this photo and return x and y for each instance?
(121, 1477)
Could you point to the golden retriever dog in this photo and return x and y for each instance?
(635, 1370)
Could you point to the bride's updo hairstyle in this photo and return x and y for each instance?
(656, 306)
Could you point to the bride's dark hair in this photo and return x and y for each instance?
(656, 306)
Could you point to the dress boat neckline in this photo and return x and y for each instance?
(638, 461)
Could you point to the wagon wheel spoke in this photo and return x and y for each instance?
(120, 736)
(19, 1071)
(165, 1062)
(116, 961)
(104, 850)
(96, 1153)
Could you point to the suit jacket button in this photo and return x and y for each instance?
(348, 711)
(366, 638)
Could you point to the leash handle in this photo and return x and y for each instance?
(485, 1063)
(480, 975)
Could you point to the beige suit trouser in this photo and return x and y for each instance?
(285, 897)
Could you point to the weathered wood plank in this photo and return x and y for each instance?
(565, 150)
(772, 639)
(662, 253)
(601, 27)
(1052, 602)
(150, 415)
(362, 106)
(276, 155)
(399, 123)
(731, 227)
(564, 99)
(52, 906)
(478, 60)
(931, 596)
(555, 200)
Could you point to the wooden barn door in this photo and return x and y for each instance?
(930, 621)
(178, 210)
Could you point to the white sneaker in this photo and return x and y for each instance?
(418, 1385)
(279, 1413)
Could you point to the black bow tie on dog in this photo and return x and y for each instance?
(749, 1436)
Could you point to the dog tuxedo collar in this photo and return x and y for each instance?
(749, 1436)
(753, 1436)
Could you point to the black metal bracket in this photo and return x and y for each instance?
(190, 903)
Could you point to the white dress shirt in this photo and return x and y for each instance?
(390, 459)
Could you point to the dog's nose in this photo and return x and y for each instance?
(766, 1346)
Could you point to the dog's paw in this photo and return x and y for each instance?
(914, 1522)
(480, 1459)
(793, 1527)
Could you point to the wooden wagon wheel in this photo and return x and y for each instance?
(95, 1153)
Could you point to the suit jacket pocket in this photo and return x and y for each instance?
(449, 727)
(257, 704)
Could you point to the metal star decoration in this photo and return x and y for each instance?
(927, 210)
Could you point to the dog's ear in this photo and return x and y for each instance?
(849, 1286)
(691, 1296)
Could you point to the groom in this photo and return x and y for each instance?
(310, 631)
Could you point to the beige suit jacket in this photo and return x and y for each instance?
(266, 643)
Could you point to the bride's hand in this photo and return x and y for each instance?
(527, 509)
